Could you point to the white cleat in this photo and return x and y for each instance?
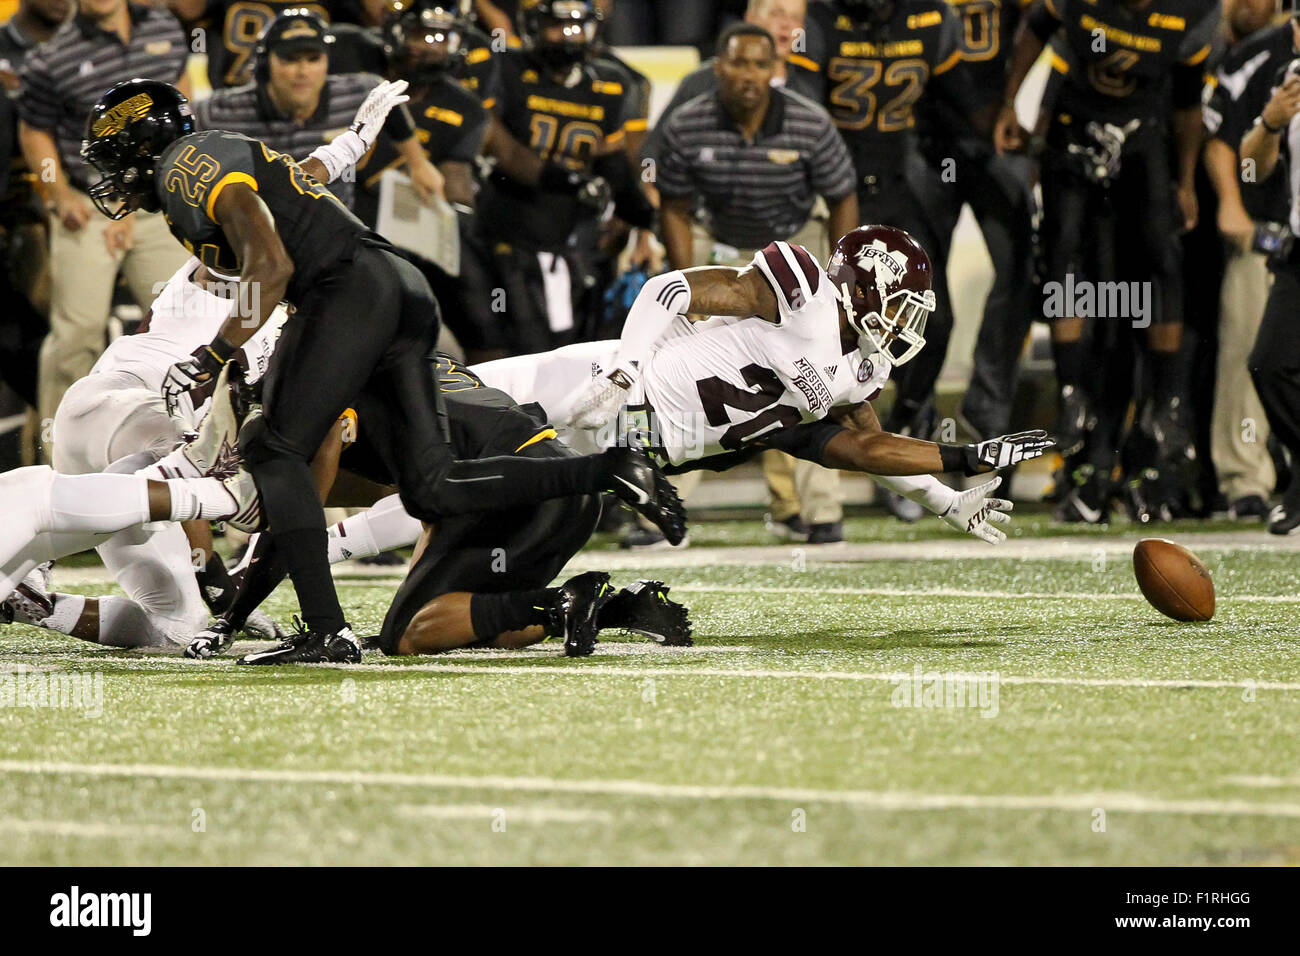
(30, 602)
(215, 451)
(248, 506)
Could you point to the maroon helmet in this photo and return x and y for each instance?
(882, 277)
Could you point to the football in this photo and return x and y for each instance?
(1173, 580)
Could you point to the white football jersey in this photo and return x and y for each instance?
(183, 317)
(718, 384)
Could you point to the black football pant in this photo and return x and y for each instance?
(1275, 359)
(907, 200)
(368, 327)
(997, 190)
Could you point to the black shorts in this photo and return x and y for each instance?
(512, 550)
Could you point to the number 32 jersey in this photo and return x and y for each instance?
(717, 385)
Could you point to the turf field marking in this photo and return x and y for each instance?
(1117, 802)
(80, 829)
(759, 674)
(486, 813)
(966, 593)
(1263, 780)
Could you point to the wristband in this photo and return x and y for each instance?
(954, 456)
(344, 151)
(216, 354)
(1268, 126)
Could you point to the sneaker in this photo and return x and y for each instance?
(311, 647)
(1285, 518)
(215, 450)
(637, 480)
(644, 608)
(574, 612)
(831, 532)
(30, 602)
(248, 506)
(792, 528)
(1088, 501)
(1248, 508)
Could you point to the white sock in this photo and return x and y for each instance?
(205, 498)
(382, 527)
(67, 612)
(102, 504)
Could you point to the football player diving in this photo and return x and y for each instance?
(790, 359)
(363, 322)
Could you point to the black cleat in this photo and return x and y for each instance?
(216, 639)
(575, 610)
(639, 481)
(1088, 502)
(311, 647)
(1285, 518)
(644, 608)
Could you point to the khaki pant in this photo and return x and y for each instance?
(795, 487)
(83, 276)
(1239, 428)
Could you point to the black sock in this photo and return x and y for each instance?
(493, 614)
(216, 584)
(1069, 358)
(304, 553)
(263, 575)
(1168, 375)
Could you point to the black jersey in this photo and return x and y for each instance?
(870, 78)
(569, 123)
(316, 228)
(988, 28)
(450, 123)
(233, 29)
(1118, 64)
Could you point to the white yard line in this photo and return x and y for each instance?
(488, 813)
(870, 799)
(637, 673)
(1263, 781)
(80, 829)
(966, 593)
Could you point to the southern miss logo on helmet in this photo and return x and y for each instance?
(299, 28)
(116, 119)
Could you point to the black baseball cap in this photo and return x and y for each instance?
(294, 30)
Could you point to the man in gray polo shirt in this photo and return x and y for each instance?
(752, 159)
(108, 41)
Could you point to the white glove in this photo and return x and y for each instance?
(374, 110)
(601, 400)
(346, 149)
(188, 390)
(973, 511)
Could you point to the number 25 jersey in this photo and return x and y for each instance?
(719, 384)
(316, 228)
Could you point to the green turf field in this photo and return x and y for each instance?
(911, 698)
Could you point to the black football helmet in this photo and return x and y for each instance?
(425, 38)
(579, 19)
(871, 12)
(127, 132)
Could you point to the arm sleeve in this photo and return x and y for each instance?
(660, 301)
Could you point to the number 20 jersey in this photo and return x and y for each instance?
(719, 384)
